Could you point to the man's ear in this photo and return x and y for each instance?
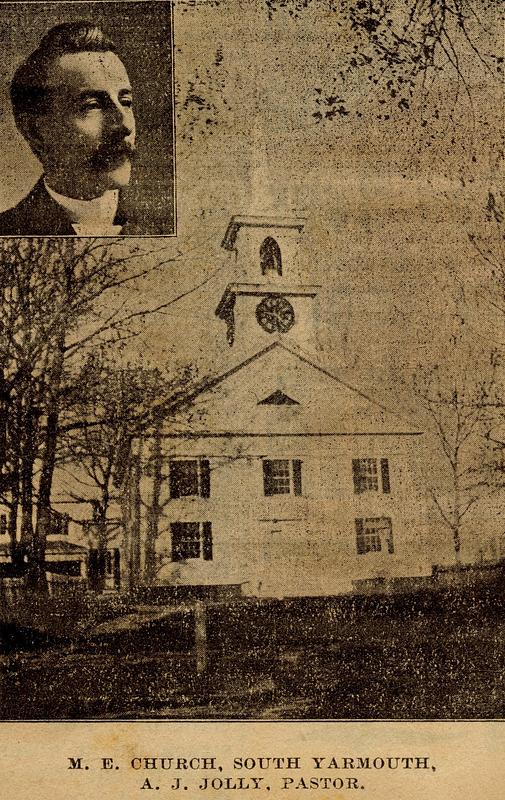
(29, 126)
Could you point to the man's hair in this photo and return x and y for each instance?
(28, 88)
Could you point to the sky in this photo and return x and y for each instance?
(391, 194)
(389, 203)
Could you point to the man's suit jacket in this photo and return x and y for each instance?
(39, 215)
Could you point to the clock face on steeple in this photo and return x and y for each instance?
(275, 314)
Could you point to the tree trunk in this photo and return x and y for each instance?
(17, 556)
(100, 527)
(27, 467)
(456, 527)
(135, 519)
(37, 573)
(12, 528)
(127, 580)
(154, 511)
(28, 449)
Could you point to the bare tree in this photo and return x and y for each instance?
(54, 308)
(489, 247)
(403, 48)
(461, 408)
(112, 407)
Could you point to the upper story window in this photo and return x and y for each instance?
(270, 257)
(374, 534)
(371, 475)
(189, 478)
(282, 476)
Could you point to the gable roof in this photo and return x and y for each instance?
(331, 405)
(58, 547)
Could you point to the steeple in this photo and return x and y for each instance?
(268, 299)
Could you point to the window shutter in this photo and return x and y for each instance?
(175, 530)
(267, 478)
(3, 524)
(117, 569)
(93, 568)
(173, 482)
(385, 476)
(356, 475)
(297, 476)
(360, 542)
(204, 478)
(102, 563)
(391, 547)
(207, 541)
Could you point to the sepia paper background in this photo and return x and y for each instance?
(468, 758)
(391, 195)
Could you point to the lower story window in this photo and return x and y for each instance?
(374, 534)
(191, 540)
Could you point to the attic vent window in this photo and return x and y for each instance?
(278, 398)
(270, 257)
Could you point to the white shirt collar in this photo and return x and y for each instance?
(90, 217)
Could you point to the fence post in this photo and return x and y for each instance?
(200, 636)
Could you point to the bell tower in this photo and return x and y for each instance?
(268, 299)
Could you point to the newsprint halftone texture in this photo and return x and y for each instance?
(254, 468)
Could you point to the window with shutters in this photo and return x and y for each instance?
(191, 540)
(374, 535)
(189, 478)
(371, 475)
(282, 476)
(3, 524)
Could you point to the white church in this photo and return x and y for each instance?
(277, 476)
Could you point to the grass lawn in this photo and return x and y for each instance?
(312, 658)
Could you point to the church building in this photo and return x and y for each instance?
(276, 475)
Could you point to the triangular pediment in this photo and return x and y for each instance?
(249, 400)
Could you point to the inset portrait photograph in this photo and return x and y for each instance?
(86, 122)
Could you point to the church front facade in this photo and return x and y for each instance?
(276, 475)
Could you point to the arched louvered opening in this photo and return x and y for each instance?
(270, 257)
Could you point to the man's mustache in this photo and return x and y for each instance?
(110, 153)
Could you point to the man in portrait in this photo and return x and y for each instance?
(72, 102)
